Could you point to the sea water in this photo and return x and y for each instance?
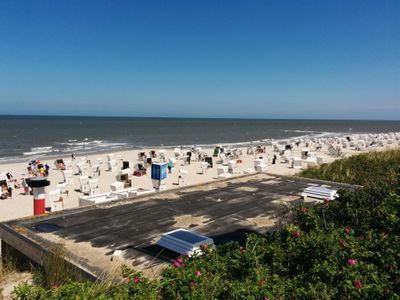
(26, 137)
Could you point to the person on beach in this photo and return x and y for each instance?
(47, 169)
(170, 165)
(29, 168)
(16, 184)
(42, 171)
(73, 156)
(5, 191)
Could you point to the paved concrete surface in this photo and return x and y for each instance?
(224, 211)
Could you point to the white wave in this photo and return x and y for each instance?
(299, 131)
(80, 143)
(41, 148)
(93, 146)
(37, 152)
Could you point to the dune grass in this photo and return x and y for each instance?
(363, 169)
(7, 266)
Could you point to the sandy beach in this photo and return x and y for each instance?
(21, 204)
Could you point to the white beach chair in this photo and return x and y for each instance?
(232, 166)
(182, 177)
(84, 184)
(222, 172)
(161, 155)
(223, 158)
(311, 162)
(204, 167)
(95, 170)
(320, 160)
(251, 150)
(25, 187)
(93, 186)
(360, 146)
(304, 153)
(297, 163)
(56, 204)
(117, 186)
(111, 164)
(260, 165)
(68, 177)
(177, 153)
(63, 188)
(82, 169)
(262, 168)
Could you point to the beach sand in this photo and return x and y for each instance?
(21, 205)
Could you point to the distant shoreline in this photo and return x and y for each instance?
(194, 118)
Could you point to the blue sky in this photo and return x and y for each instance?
(248, 59)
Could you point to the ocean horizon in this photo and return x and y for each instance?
(27, 136)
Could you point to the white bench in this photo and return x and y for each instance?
(96, 199)
(319, 192)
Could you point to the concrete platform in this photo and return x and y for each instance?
(224, 210)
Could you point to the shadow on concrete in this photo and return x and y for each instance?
(226, 206)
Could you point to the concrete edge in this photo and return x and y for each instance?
(37, 249)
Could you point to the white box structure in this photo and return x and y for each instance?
(320, 192)
(184, 241)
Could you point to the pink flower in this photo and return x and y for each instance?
(266, 298)
(177, 264)
(347, 230)
(193, 284)
(343, 243)
(304, 210)
(357, 284)
(296, 234)
(198, 273)
(351, 262)
(136, 280)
